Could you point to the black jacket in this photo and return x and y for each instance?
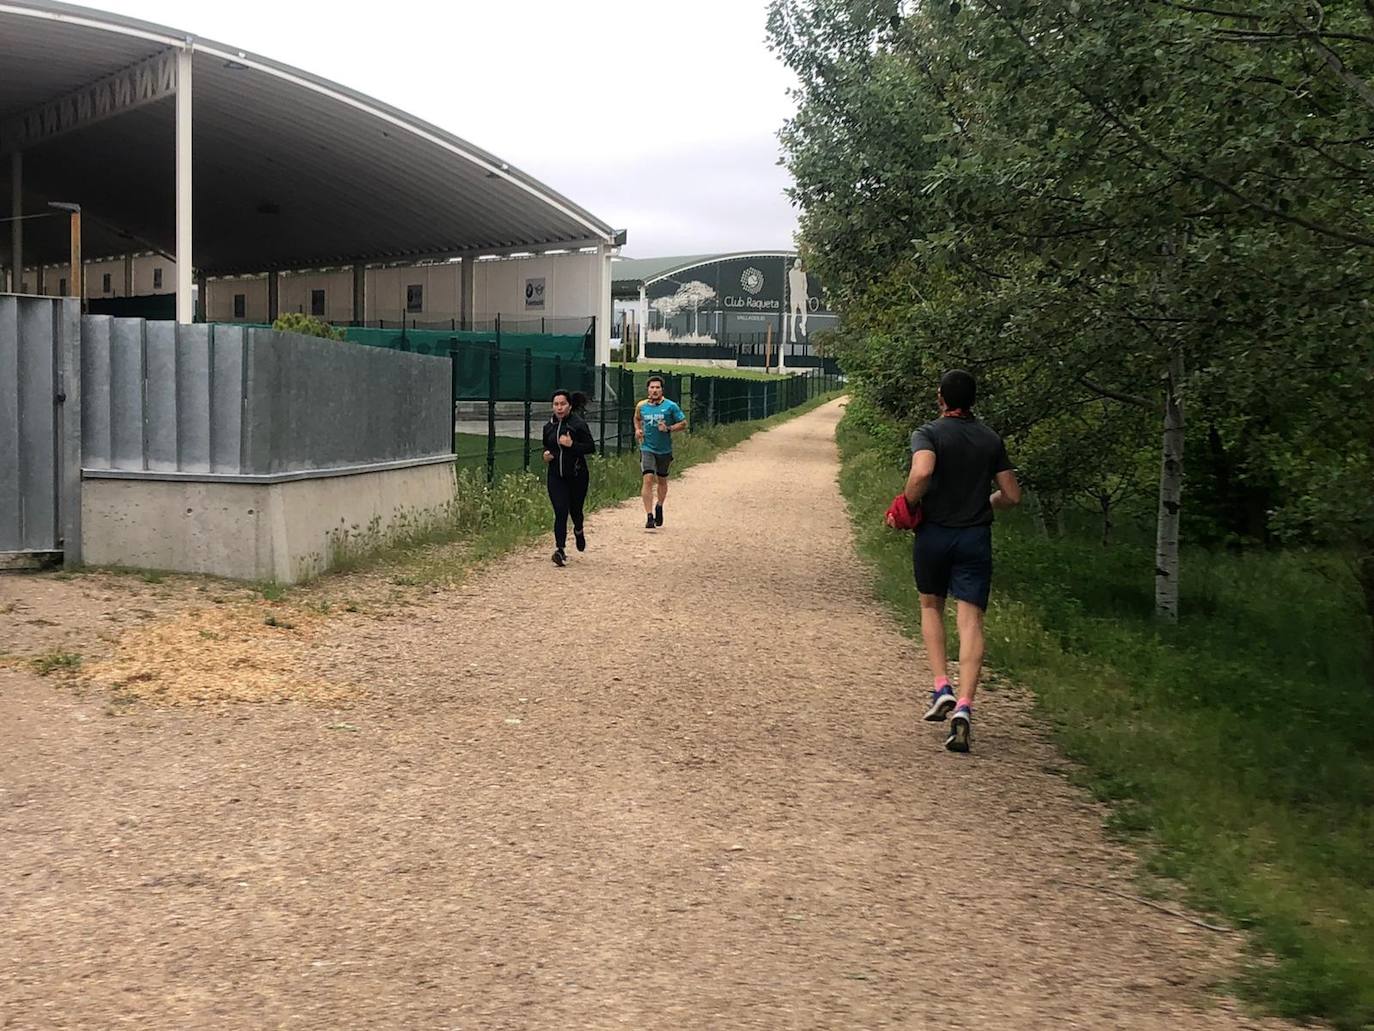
(568, 461)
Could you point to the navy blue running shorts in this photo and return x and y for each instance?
(954, 561)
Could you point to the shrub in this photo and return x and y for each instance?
(307, 325)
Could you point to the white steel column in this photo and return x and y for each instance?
(17, 227)
(643, 323)
(603, 304)
(185, 271)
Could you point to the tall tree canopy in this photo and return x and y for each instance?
(1160, 206)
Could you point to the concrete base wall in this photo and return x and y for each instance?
(283, 531)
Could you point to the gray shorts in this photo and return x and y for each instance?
(649, 462)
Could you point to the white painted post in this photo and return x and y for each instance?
(643, 320)
(603, 304)
(185, 270)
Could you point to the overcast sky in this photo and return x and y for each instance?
(658, 117)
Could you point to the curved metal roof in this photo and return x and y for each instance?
(290, 170)
(629, 274)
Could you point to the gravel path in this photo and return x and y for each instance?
(680, 784)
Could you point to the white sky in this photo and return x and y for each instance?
(659, 117)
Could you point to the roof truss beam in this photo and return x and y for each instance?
(133, 87)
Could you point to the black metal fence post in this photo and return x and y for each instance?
(453, 395)
(601, 396)
(529, 397)
(493, 381)
(621, 408)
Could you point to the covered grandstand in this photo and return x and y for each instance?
(172, 145)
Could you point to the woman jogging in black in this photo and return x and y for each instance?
(567, 443)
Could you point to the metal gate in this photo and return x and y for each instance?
(40, 430)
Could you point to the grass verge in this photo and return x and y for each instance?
(1236, 749)
(702, 370)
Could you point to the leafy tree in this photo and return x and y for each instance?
(1162, 206)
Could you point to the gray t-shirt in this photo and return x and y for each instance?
(967, 457)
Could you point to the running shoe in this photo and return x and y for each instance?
(580, 539)
(941, 705)
(658, 515)
(559, 558)
(960, 731)
(649, 523)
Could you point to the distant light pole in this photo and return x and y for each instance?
(76, 285)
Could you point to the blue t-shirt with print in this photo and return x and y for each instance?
(656, 420)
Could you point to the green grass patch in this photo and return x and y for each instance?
(700, 370)
(471, 449)
(55, 662)
(1236, 749)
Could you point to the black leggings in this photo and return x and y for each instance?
(568, 497)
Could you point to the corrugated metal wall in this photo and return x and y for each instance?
(38, 339)
(225, 400)
(126, 397)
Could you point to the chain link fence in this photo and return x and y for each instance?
(498, 424)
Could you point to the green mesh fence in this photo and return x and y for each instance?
(433, 341)
(717, 399)
(501, 395)
(481, 372)
(498, 422)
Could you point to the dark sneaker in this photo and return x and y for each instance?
(658, 515)
(580, 539)
(649, 523)
(941, 705)
(960, 731)
(559, 558)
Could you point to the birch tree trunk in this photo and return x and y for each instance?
(1167, 568)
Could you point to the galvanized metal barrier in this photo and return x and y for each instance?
(163, 399)
(40, 433)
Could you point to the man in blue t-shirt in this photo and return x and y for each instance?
(656, 420)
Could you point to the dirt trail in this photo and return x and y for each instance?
(680, 784)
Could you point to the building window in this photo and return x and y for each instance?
(240, 306)
(61, 288)
(317, 302)
(105, 283)
(415, 297)
(157, 279)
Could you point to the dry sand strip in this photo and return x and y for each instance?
(680, 784)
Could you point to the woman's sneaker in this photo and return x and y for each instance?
(941, 705)
(960, 730)
(580, 539)
(559, 558)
